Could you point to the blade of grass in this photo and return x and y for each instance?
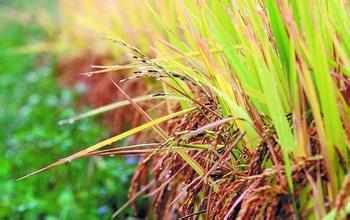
(117, 105)
(109, 141)
(156, 128)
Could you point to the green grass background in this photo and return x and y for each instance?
(31, 103)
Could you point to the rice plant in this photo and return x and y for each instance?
(257, 109)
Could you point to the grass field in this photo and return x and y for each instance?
(31, 105)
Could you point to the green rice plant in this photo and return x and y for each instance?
(281, 69)
(270, 48)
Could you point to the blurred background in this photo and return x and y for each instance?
(41, 58)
